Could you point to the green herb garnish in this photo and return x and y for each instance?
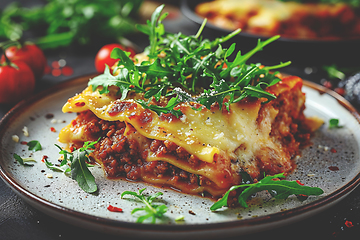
(34, 145)
(279, 189)
(63, 167)
(152, 211)
(78, 166)
(334, 123)
(24, 161)
(336, 72)
(188, 69)
(60, 23)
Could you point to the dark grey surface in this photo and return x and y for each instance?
(20, 221)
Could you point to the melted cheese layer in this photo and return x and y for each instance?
(204, 133)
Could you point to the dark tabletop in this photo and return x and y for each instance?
(20, 221)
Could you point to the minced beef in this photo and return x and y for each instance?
(121, 155)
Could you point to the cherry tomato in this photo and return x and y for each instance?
(103, 56)
(31, 54)
(17, 81)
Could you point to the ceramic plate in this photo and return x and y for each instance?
(331, 163)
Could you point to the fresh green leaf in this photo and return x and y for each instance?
(169, 108)
(334, 123)
(34, 145)
(24, 161)
(258, 92)
(280, 189)
(199, 67)
(336, 72)
(59, 23)
(78, 166)
(152, 211)
(80, 172)
(156, 28)
(123, 56)
(61, 168)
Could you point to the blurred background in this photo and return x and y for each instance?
(70, 33)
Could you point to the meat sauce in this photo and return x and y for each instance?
(121, 156)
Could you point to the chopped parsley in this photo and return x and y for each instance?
(334, 123)
(24, 161)
(34, 145)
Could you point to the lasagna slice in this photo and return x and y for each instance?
(185, 116)
(203, 150)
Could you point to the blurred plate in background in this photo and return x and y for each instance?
(302, 51)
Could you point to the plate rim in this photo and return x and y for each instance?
(319, 204)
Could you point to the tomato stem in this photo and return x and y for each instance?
(5, 45)
(7, 60)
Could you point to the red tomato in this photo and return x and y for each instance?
(17, 81)
(103, 56)
(31, 54)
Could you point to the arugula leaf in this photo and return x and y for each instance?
(117, 53)
(156, 28)
(24, 161)
(200, 67)
(78, 166)
(81, 173)
(152, 211)
(107, 79)
(279, 189)
(169, 108)
(63, 167)
(34, 145)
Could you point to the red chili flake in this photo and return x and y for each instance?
(73, 122)
(44, 157)
(340, 91)
(349, 224)
(72, 148)
(23, 143)
(333, 150)
(79, 104)
(298, 181)
(114, 209)
(334, 168)
(327, 84)
(67, 71)
(52, 129)
(303, 195)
